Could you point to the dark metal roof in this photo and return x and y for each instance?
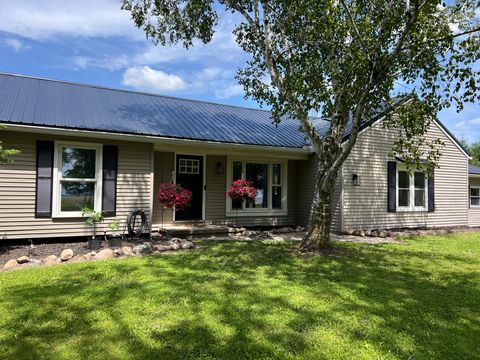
(474, 170)
(42, 102)
(51, 103)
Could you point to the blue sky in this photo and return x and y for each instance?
(94, 42)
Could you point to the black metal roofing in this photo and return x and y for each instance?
(42, 102)
(472, 169)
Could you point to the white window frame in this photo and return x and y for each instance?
(412, 206)
(470, 196)
(57, 177)
(268, 211)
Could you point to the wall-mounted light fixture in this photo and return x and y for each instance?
(355, 180)
(219, 168)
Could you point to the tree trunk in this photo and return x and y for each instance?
(318, 230)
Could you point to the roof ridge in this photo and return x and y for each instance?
(129, 91)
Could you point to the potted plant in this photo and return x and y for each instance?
(115, 239)
(241, 190)
(173, 196)
(93, 218)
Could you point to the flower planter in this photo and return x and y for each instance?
(94, 244)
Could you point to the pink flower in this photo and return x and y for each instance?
(174, 196)
(242, 189)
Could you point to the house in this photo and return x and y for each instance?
(109, 149)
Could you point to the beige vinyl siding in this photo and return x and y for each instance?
(18, 181)
(473, 212)
(305, 188)
(337, 206)
(216, 193)
(306, 172)
(163, 167)
(365, 206)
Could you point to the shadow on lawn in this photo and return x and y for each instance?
(234, 301)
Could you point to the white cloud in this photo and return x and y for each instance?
(229, 91)
(46, 19)
(81, 62)
(16, 44)
(475, 121)
(147, 79)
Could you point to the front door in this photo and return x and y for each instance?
(190, 176)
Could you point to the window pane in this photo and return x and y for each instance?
(403, 180)
(78, 163)
(420, 197)
(257, 174)
(77, 195)
(474, 191)
(419, 180)
(474, 201)
(277, 197)
(403, 197)
(237, 170)
(277, 176)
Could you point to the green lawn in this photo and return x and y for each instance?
(252, 300)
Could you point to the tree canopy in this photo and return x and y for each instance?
(6, 154)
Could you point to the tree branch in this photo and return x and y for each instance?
(363, 45)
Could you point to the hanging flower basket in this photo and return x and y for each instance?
(242, 190)
(174, 196)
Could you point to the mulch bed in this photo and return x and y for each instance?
(41, 251)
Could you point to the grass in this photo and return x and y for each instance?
(252, 300)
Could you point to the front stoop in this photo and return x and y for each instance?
(189, 230)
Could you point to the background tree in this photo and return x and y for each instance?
(474, 151)
(340, 59)
(5, 154)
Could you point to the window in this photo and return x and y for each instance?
(189, 166)
(474, 196)
(268, 178)
(77, 179)
(258, 175)
(411, 190)
(277, 186)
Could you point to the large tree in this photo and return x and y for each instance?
(340, 59)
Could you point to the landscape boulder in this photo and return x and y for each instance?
(185, 244)
(105, 254)
(143, 249)
(127, 251)
(23, 259)
(11, 264)
(161, 248)
(66, 255)
(175, 246)
(80, 258)
(50, 260)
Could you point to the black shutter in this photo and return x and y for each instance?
(392, 186)
(44, 184)
(109, 179)
(431, 192)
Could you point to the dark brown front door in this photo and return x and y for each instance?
(190, 176)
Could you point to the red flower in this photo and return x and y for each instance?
(242, 189)
(174, 196)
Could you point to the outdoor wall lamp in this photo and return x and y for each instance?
(355, 180)
(219, 168)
